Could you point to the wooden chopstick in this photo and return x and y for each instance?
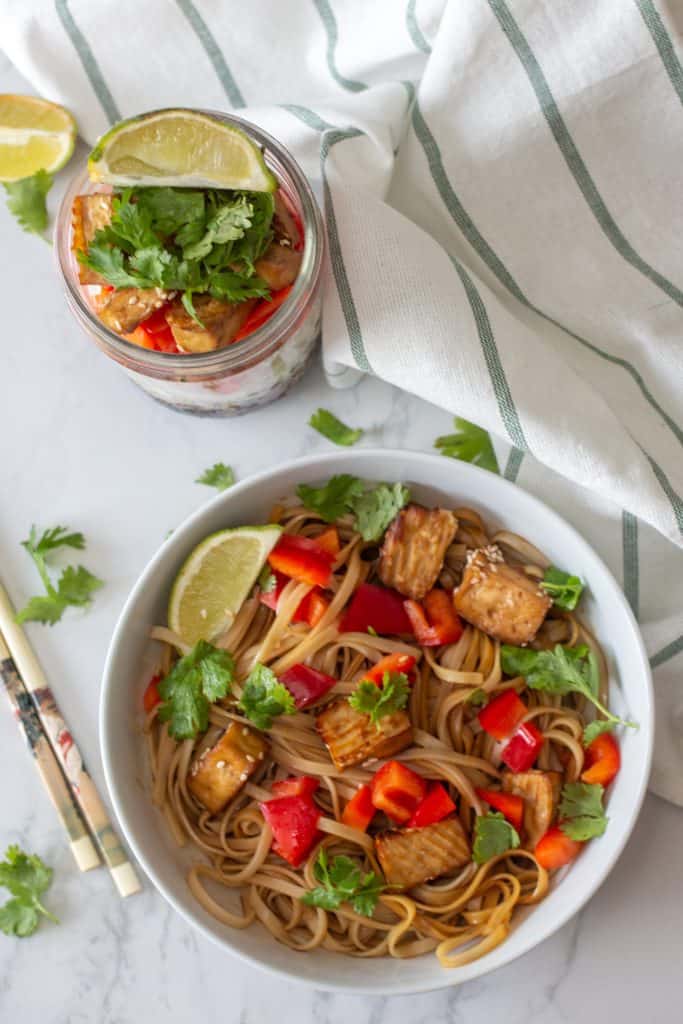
(64, 747)
(80, 843)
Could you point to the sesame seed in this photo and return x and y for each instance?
(203, 613)
(243, 777)
(245, 731)
(220, 764)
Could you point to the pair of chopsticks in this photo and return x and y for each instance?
(83, 815)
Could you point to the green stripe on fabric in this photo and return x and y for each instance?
(665, 484)
(414, 30)
(667, 653)
(213, 52)
(572, 157)
(309, 117)
(514, 464)
(330, 25)
(87, 58)
(629, 543)
(662, 41)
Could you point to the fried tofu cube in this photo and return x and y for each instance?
(89, 215)
(279, 265)
(414, 549)
(221, 771)
(541, 793)
(500, 600)
(125, 308)
(414, 855)
(352, 738)
(220, 322)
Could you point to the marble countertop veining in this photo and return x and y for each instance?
(82, 446)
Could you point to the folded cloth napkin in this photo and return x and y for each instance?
(501, 182)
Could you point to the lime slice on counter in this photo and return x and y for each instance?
(179, 147)
(34, 134)
(216, 578)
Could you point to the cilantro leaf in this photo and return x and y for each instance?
(171, 209)
(564, 589)
(493, 835)
(196, 681)
(595, 729)
(26, 200)
(27, 878)
(219, 476)
(379, 701)
(478, 698)
(75, 585)
(376, 508)
(232, 287)
(327, 424)
(264, 697)
(267, 580)
(108, 262)
(469, 444)
(334, 498)
(581, 811)
(343, 882)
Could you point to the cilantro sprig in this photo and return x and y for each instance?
(564, 588)
(342, 881)
(26, 200)
(374, 509)
(196, 681)
(379, 701)
(27, 877)
(264, 697)
(581, 812)
(493, 835)
(327, 424)
(75, 585)
(469, 443)
(219, 476)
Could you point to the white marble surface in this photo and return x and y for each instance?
(81, 446)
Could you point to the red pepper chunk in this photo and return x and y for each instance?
(294, 824)
(302, 559)
(329, 541)
(502, 715)
(151, 696)
(306, 684)
(398, 791)
(360, 809)
(297, 785)
(435, 806)
(603, 760)
(523, 748)
(435, 621)
(262, 312)
(391, 663)
(510, 805)
(555, 849)
(155, 333)
(377, 608)
(311, 609)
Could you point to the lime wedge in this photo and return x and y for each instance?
(182, 148)
(34, 134)
(215, 579)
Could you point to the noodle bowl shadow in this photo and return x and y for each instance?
(433, 479)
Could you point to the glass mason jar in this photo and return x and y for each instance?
(246, 373)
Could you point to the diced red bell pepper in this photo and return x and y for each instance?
(302, 559)
(151, 696)
(262, 311)
(555, 849)
(312, 608)
(398, 791)
(510, 805)
(391, 663)
(378, 608)
(360, 809)
(502, 715)
(297, 785)
(294, 823)
(435, 621)
(603, 760)
(329, 540)
(155, 333)
(306, 684)
(523, 748)
(435, 806)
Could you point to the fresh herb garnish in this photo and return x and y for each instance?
(196, 681)
(561, 671)
(470, 443)
(581, 812)
(267, 581)
(564, 589)
(26, 200)
(477, 698)
(493, 835)
(374, 509)
(264, 697)
(333, 499)
(75, 586)
(379, 701)
(27, 878)
(327, 424)
(343, 882)
(372, 631)
(595, 729)
(219, 476)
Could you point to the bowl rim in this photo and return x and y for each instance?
(479, 967)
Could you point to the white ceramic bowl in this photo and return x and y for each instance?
(433, 479)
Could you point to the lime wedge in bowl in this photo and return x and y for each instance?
(179, 148)
(216, 578)
(34, 134)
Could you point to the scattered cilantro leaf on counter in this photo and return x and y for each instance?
(27, 878)
(196, 681)
(75, 585)
(469, 443)
(493, 835)
(343, 882)
(564, 589)
(333, 499)
(264, 697)
(219, 476)
(26, 200)
(581, 812)
(327, 424)
(379, 701)
(595, 729)
(375, 509)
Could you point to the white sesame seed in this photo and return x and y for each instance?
(250, 759)
(220, 764)
(243, 777)
(203, 613)
(245, 731)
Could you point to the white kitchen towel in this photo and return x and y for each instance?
(502, 185)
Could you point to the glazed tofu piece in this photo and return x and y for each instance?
(500, 600)
(221, 771)
(279, 265)
(414, 855)
(284, 223)
(352, 738)
(221, 322)
(541, 793)
(126, 308)
(414, 549)
(89, 215)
